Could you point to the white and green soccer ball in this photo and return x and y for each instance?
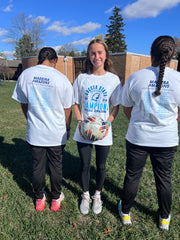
(93, 128)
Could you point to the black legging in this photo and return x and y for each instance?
(85, 151)
(161, 159)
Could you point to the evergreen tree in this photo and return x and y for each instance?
(114, 38)
(83, 53)
(24, 47)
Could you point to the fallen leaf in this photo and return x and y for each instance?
(74, 225)
(107, 231)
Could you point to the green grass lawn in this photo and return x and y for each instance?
(18, 217)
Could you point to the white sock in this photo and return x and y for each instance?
(86, 193)
(97, 194)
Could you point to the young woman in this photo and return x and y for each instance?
(151, 101)
(94, 92)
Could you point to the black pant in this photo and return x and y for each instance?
(85, 151)
(161, 159)
(40, 156)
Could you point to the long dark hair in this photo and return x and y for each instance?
(162, 50)
(108, 63)
(47, 53)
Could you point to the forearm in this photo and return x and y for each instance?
(127, 111)
(77, 112)
(24, 109)
(68, 117)
(178, 118)
(113, 114)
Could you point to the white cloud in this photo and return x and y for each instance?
(109, 10)
(144, 8)
(3, 32)
(41, 19)
(88, 27)
(8, 8)
(9, 40)
(56, 48)
(9, 54)
(82, 42)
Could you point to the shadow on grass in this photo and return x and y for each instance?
(71, 173)
(17, 159)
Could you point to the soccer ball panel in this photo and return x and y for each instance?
(93, 128)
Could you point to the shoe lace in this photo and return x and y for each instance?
(97, 201)
(86, 200)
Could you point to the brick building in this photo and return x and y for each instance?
(124, 64)
(10, 69)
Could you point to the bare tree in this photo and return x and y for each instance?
(19, 27)
(22, 25)
(5, 71)
(37, 33)
(68, 50)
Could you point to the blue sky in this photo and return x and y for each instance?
(77, 21)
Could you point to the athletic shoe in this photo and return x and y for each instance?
(56, 203)
(125, 218)
(40, 203)
(84, 206)
(97, 204)
(164, 222)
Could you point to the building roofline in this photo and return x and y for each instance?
(111, 54)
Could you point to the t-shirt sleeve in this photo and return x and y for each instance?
(68, 95)
(76, 92)
(115, 96)
(18, 93)
(125, 98)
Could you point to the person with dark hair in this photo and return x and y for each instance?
(47, 53)
(151, 101)
(94, 92)
(46, 98)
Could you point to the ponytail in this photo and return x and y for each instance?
(162, 50)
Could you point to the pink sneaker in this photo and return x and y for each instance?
(40, 203)
(56, 203)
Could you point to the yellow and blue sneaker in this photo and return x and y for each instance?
(125, 218)
(164, 222)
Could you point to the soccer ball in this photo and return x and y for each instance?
(93, 128)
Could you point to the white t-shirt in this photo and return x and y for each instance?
(153, 120)
(47, 93)
(96, 94)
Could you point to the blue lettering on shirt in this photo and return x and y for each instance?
(95, 99)
(154, 84)
(41, 80)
